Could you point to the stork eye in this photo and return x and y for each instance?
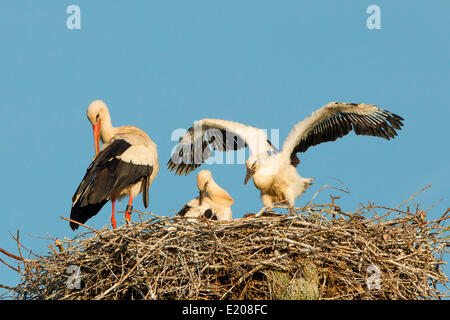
(98, 115)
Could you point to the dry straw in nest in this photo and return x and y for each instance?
(314, 252)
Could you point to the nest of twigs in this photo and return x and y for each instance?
(315, 252)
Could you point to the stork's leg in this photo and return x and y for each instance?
(267, 202)
(289, 195)
(113, 218)
(262, 211)
(128, 210)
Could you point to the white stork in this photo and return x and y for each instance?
(274, 173)
(126, 166)
(212, 203)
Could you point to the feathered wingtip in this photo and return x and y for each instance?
(83, 213)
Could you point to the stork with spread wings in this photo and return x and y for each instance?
(274, 173)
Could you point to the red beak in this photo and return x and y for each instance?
(96, 129)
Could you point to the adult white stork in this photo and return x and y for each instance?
(274, 173)
(212, 203)
(126, 166)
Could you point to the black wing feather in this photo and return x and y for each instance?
(146, 183)
(188, 157)
(183, 210)
(380, 124)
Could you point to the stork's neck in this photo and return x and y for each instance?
(106, 129)
(219, 195)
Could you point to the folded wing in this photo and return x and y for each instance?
(110, 172)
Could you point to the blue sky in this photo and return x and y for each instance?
(162, 65)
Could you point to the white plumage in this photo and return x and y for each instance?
(126, 165)
(212, 203)
(274, 173)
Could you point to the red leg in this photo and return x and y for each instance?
(113, 218)
(129, 208)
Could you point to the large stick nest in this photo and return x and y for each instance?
(315, 252)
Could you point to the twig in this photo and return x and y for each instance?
(11, 255)
(81, 224)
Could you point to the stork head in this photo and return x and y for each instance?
(252, 165)
(97, 111)
(203, 178)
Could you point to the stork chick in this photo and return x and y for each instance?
(212, 203)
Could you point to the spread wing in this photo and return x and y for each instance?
(336, 120)
(195, 145)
